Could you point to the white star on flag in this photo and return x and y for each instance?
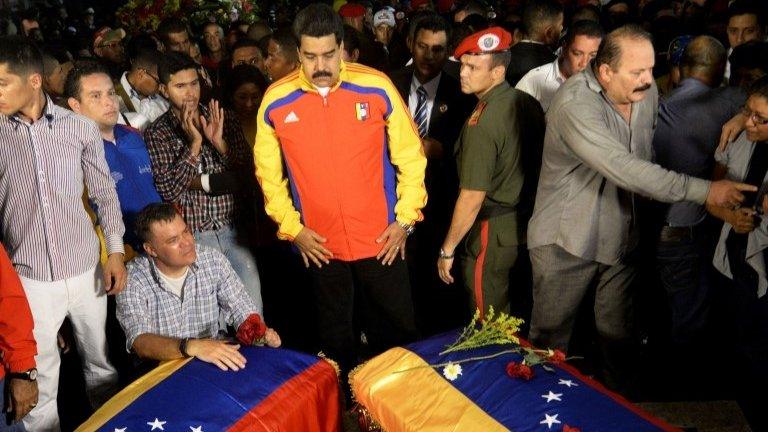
(121, 429)
(157, 424)
(196, 429)
(552, 396)
(550, 420)
(568, 383)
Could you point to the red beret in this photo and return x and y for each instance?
(351, 10)
(415, 4)
(490, 40)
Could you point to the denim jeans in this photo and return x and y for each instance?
(241, 257)
(684, 268)
(5, 418)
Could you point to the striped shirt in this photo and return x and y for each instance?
(43, 167)
(148, 304)
(174, 168)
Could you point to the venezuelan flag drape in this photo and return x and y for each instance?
(484, 398)
(279, 390)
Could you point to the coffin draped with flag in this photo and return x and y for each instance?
(279, 390)
(484, 398)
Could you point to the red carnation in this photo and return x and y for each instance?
(519, 370)
(557, 357)
(251, 330)
(567, 428)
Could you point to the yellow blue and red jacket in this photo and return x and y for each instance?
(346, 165)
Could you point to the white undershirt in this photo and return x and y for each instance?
(174, 285)
(323, 90)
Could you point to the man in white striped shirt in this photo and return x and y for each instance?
(579, 48)
(47, 155)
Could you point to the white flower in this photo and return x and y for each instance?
(452, 371)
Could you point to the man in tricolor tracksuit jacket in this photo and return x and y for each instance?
(342, 169)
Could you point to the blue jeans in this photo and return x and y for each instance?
(5, 419)
(684, 267)
(239, 255)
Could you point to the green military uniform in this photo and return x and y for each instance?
(499, 152)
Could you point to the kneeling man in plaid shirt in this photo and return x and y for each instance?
(176, 293)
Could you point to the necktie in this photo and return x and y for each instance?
(420, 117)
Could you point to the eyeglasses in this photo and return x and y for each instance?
(156, 79)
(253, 61)
(756, 118)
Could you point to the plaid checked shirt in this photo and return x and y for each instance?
(175, 168)
(148, 306)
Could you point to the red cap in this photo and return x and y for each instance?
(490, 40)
(351, 10)
(415, 4)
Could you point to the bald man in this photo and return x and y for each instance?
(686, 136)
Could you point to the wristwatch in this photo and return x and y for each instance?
(183, 347)
(444, 255)
(28, 375)
(408, 228)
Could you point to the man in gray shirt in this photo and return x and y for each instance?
(597, 152)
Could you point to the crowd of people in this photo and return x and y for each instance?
(403, 164)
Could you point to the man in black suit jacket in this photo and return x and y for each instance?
(439, 109)
(542, 23)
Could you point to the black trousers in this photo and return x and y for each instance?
(376, 296)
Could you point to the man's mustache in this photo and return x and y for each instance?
(321, 74)
(643, 88)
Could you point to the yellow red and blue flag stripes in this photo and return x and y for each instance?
(484, 398)
(279, 390)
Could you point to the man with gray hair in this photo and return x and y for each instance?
(687, 133)
(597, 151)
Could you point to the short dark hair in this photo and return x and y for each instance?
(750, 55)
(168, 26)
(246, 43)
(21, 56)
(155, 212)
(747, 7)
(759, 88)
(288, 43)
(243, 74)
(147, 58)
(50, 62)
(434, 23)
(501, 58)
(174, 62)
(586, 28)
(587, 12)
(138, 44)
(351, 40)
(81, 69)
(539, 13)
(318, 20)
(610, 50)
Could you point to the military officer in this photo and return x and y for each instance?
(498, 156)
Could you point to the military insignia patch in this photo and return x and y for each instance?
(361, 111)
(488, 42)
(475, 117)
(443, 108)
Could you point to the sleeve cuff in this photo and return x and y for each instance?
(697, 190)
(114, 245)
(191, 159)
(289, 231)
(21, 365)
